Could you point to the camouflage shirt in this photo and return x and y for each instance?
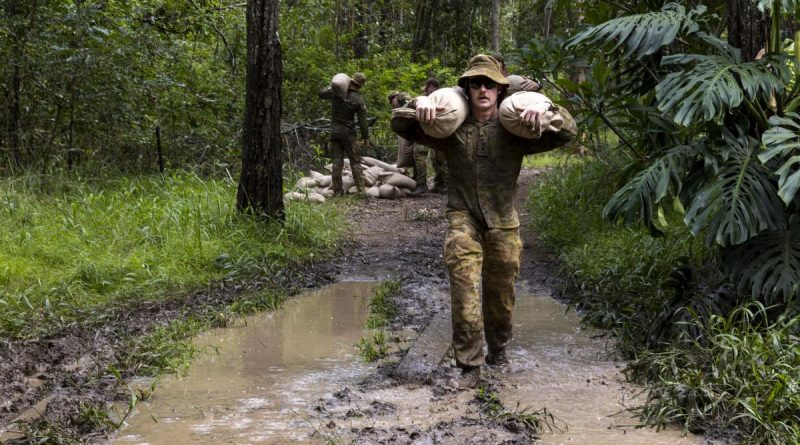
(484, 161)
(344, 110)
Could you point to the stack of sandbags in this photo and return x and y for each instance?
(381, 180)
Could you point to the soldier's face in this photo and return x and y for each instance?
(483, 92)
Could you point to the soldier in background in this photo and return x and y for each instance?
(438, 158)
(343, 131)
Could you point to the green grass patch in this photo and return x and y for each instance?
(374, 347)
(549, 159)
(382, 307)
(534, 422)
(72, 248)
(742, 373)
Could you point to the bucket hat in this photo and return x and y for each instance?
(483, 65)
(359, 79)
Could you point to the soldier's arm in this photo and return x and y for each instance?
(407, 127)
(551, 140)
(362, 120)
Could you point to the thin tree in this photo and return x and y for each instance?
(261, 184)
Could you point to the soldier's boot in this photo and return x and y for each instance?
(420, 190)
(497, 358)
(469, 378)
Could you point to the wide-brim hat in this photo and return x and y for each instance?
(359, 79)
(483, 65)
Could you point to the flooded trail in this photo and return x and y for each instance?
(294, 376)
(258, 382)
(559, 366)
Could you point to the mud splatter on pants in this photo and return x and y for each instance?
(478, 257)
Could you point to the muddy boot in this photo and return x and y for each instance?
(441, 189)
(469, 378)
(497, 359)
(419, 191)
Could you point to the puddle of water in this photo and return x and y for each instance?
(558, 366)
(262, 384)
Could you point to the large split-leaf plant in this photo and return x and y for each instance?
(709, 132)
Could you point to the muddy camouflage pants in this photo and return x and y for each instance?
(344, 145)
(478, 259)
(439, 162)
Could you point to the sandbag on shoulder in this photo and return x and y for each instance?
(513, 105)
(454, 114)
(340, 83)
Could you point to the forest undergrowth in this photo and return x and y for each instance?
(712, 361)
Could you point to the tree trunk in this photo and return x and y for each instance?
(748, 28)
(495, 24)
(261, 184)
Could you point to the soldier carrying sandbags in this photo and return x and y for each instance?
(482, 245)
(346, 104)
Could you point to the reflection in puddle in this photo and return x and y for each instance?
(266, 376)
(558, 366)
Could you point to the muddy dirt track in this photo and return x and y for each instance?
(398, 239)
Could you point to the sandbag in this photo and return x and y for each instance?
(513, 105)
(372, 162)
(307, 197)
(347, 182)
(305, 183)
(324, 181)
(405, 152)
(448, 120)
(389, 191)
(340, 83)
(369, 179)
(399, 180)
(316, 175)
(324, 191)
(352, 190)
(374, 192)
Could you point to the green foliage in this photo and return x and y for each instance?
(374, 347)
(533, 422)
(741, 373)
(72, 250)
(383, 306)
(693, 118)
(619, 277)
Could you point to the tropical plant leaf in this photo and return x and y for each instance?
(640, 34)
(787, 6)
(639, 198)
(711, 86)
(767, 266)
(782, 140)
(740, 201)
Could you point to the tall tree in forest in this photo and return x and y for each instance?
(261, 184)
(494, 21)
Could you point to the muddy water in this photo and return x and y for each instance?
(557, 366)
(265, 377)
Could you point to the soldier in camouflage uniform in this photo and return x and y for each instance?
(343, 131)
(482, 246)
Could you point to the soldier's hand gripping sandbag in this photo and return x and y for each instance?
(529, 114)
(439, 114)
(340, 83)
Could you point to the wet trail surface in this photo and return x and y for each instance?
(295, 376)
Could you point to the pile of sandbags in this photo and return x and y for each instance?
(381, 180)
